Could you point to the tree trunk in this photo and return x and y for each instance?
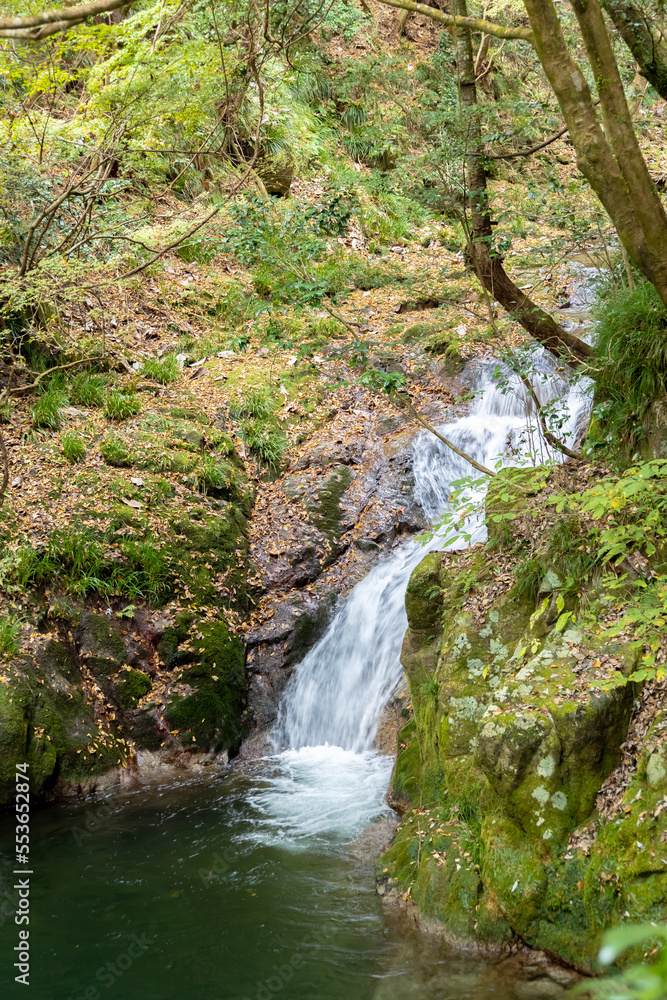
(646, 38)
(613, 164)
(488, 266)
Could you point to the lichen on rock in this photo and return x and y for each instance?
(501, 764)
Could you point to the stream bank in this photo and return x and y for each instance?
(532, 798)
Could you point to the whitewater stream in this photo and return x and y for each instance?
(257, 884)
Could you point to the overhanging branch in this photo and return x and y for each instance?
(452, 21)
(49, 22)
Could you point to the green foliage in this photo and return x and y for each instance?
(267, 443)
(258, 427)
(149, 574)
(121, 405)
(78, 563)
(10, 630)
(216, 474)
(641, 981)
(165, 371)
(256, 403)
(631, 364)
(73, 446)
(46, 411)
(87, 389)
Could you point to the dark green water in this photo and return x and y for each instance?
(177, 893)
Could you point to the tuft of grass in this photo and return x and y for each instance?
(73, 446)
(216, 474)
(121, 405)
(631, 365)
(255, 411)
(164, 371)
(115, 452)
(257, 403)
(47, 409)
(267, 443)
(9, 636)
(87, 389)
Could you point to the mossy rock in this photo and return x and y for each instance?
(216, 669)
(326, 511)
(494, 730)
(45, 721)
(131, 688)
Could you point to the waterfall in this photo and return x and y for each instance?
(326, 779)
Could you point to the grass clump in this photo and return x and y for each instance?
(216, 474)
(78, 563)
(87, 389)
(121, 405)
(258, 427)
(631, 370)
(115, 452)
(267, 443)
(47, 409)
(256, 403)
(9, 636)
(165, 371)
(73, 446)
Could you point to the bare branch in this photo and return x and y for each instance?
(402, 400)
(33, 385)
(526, 152)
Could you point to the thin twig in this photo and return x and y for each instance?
(33, 385)
(549, 437)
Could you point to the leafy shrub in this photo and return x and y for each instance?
(631, 366)
(164, 371)
(121, 405)
(47, 409)
(115, 451)
(87, 389)
(638, 982)
(73, 446)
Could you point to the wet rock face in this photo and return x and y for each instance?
(87, 702)
(274, 647)
(504, 759)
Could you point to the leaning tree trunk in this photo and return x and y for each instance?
(488, 265)
(611, 161)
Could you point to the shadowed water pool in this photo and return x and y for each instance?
(177, 893)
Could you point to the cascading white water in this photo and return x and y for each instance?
(329, 780)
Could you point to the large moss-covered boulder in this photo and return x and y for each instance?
(511, 740)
